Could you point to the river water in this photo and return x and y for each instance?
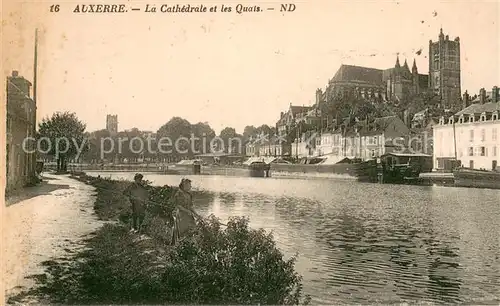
(369, 243)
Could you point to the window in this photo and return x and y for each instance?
(440, 163)
(483, 117)
(494, 116)
(460, 153)
(471, 118)
(494, 134)
(480, 151)
(461, 119)
(483, 134)
(471, 135)
(471, 151)
(494, 151)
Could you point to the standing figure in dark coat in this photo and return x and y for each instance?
(138, 196)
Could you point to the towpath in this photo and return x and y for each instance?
(44, 222)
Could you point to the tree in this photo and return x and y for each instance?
(249, 131)
(348, 105)
(99, 143)
(205, 134)
(266, 130)
(232, 141)
(174, 136)
(63, 136)
(130, 144)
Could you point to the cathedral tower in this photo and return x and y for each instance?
(444, 70)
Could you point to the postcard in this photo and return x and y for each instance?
(266, 152)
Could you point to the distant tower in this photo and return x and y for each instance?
(112, 124)
(444, 69)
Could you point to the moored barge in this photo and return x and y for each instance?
(473, 178)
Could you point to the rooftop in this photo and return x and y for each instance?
(478, 108)
(361, 74)
(299, 109)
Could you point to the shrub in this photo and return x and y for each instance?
(236, 265)
(233, 265)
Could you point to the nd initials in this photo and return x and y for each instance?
(287, 7)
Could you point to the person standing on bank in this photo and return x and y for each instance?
(138, 196)
(183, 214)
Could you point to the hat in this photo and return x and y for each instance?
(185, 180)
(138, 176)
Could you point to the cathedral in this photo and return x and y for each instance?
(400, 83)
(393, 84)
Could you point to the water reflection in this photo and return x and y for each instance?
(369, 243)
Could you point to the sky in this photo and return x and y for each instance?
(230, 69)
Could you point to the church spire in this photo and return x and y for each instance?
(414, 67)
(397, 61)
(405, 67)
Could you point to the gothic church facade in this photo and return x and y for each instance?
(400, 82)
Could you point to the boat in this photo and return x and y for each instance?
(437, 178)
(403, 168)
(314, 165)
(258, 166)
(191, 166)
(473, 178)
(259, 169)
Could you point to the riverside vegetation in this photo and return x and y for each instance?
(217, 265)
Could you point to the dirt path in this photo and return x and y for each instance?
(48, 224)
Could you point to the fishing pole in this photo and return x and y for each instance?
(161, 205)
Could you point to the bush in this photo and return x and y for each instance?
(233, 265)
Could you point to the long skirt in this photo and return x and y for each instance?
(183, 223)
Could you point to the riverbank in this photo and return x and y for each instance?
(39, 224)
(217, 265)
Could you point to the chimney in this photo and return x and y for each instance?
(282, 114)
(15, 73)
(495, 94)
(482, 95)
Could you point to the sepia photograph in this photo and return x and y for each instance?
(257, 153)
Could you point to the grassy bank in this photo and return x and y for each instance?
(217, 265)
